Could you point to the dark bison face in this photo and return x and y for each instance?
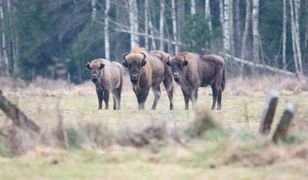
(134, 64)
(95, 69)
(177, 67)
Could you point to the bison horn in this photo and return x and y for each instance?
(144, 56)
(88, 65)
(124, 56)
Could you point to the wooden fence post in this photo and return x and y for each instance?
(285, 122)
(268, 113)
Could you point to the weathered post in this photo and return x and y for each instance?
(284, 124)
(268, 113)
(17, 116)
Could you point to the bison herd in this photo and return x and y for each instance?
(148, 69)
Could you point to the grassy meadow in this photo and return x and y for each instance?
(80, 142)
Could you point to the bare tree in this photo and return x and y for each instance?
(180, 6)
(284, 35)
(225, 18)
(133, 22)
(94, 9)
(146, 23)
(246, 29)
(4, 57)
(106, 30)
(297, 35)
(207, 9)
(174, 23)
(293, 32)
(255, 31)
(161, 24)
(192, 7)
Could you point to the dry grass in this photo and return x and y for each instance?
(235, 87)
(76, 136)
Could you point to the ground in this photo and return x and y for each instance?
(234, 152)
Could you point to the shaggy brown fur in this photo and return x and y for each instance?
(107, 76)
(168, 83)
(192, 71)
(146, 71)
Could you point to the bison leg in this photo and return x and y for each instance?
(169, 88)
(214, 94)
(99, 98)
(106, 99)
(193, 96)
(142, 97)
(116, 99)
(219, 100)
(157, 93)
(186, 98)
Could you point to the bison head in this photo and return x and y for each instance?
(177, 66)
(95, 68)
(134, 62)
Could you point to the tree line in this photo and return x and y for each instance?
(55, 38)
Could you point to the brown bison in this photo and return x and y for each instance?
(107, 76)
(147, 70)
(192, 71)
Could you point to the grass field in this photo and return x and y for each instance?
(233, 152)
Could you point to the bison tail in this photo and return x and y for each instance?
(223, 82)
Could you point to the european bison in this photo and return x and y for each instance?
(146, 71)
(191, 71)
(107, 76)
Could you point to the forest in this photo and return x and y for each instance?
(55, 38)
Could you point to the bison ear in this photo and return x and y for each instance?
(88, 66)
(143, 62)
(168, 62)
(185, 63)
(124, 63)
(101, 66)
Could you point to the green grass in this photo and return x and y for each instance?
(240, 116)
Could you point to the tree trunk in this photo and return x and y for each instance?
(237, 29)
(231, 27)
(106, 30)
(4, 57)
(180, 19)
(284, 35)
(192, 7)
(161, 24)
(94, 9)
(255, 31)
(246, 30)
(297, 35)
(207, 9)
(133, 21)
(146, 23)
(293, 32)
(174, 28)
(226, 29)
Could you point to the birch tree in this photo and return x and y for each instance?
(297, 35)
(4, 57)
(207, 9)
(192, 7)
(94, 9)
(133, 22)
(106, 30)
(255, 31)
(246, 29)
(174, 23)
(225, 18)
(161, 24)
(284, 35)
(146, 23)
(293, 37)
